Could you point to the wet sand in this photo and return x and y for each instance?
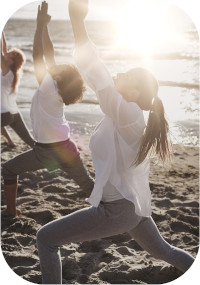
(44, 196)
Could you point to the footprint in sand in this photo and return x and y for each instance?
(91, 246)
(14, 260)
(124, 251)
(70, 269)
(10, 241)
(21, 270)
(41, 217)
(25, 240)
(24, 200)
(54, 198)
(194, 221)
(164, 203)
(68, 210)
(178, 226)
(190, 204)
(82, 279)
(54, 189)
(173, 213)
(187, 239)
(23, 226)
(120, 238)
(107, 257)
(116, 277)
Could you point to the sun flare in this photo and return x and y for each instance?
(143, 26)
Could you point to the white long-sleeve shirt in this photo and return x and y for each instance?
(8, 101)
(47, 113)
(116, 140)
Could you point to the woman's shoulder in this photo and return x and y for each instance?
(49, 91)
(48, 83)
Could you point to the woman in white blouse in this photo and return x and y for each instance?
(11, 63)
(121, 198)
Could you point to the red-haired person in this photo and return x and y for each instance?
(12, 62)
(59, 85)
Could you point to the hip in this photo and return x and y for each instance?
(8, 118)
(64, 152)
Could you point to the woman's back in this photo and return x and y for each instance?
(8, 99)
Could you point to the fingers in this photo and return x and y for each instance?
(48, 18)
(43, 17)
(44, 7)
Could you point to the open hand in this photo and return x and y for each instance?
(42, 17)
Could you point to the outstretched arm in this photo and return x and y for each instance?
(78, 10)
(38, 52)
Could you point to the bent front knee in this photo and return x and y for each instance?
(45, 236)
(41, 236)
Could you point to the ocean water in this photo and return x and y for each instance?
(176, 67)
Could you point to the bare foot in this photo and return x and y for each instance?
(5, 213)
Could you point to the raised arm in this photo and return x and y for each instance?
(94, 71)
(48, 48)
(4, 43)
(4, 66)
(47, 43)
(78, 10)
(38, 52)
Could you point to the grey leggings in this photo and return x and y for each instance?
(16, 122)
(108, 219)
(63, 155)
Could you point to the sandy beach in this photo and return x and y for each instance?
(44, 196)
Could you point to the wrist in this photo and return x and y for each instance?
(77, 22)
(39, 27)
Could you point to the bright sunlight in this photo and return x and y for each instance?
(145, 26)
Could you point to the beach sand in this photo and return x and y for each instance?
(44, 196)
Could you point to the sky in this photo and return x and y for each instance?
(97, 9)
(28, 9)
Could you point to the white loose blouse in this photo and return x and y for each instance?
(116, 140)
(47, 113)
(8, 100)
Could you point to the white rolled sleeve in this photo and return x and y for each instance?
(99, 79)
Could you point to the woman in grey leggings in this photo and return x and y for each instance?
(121, 198)
(16, 122)
(108, 219)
